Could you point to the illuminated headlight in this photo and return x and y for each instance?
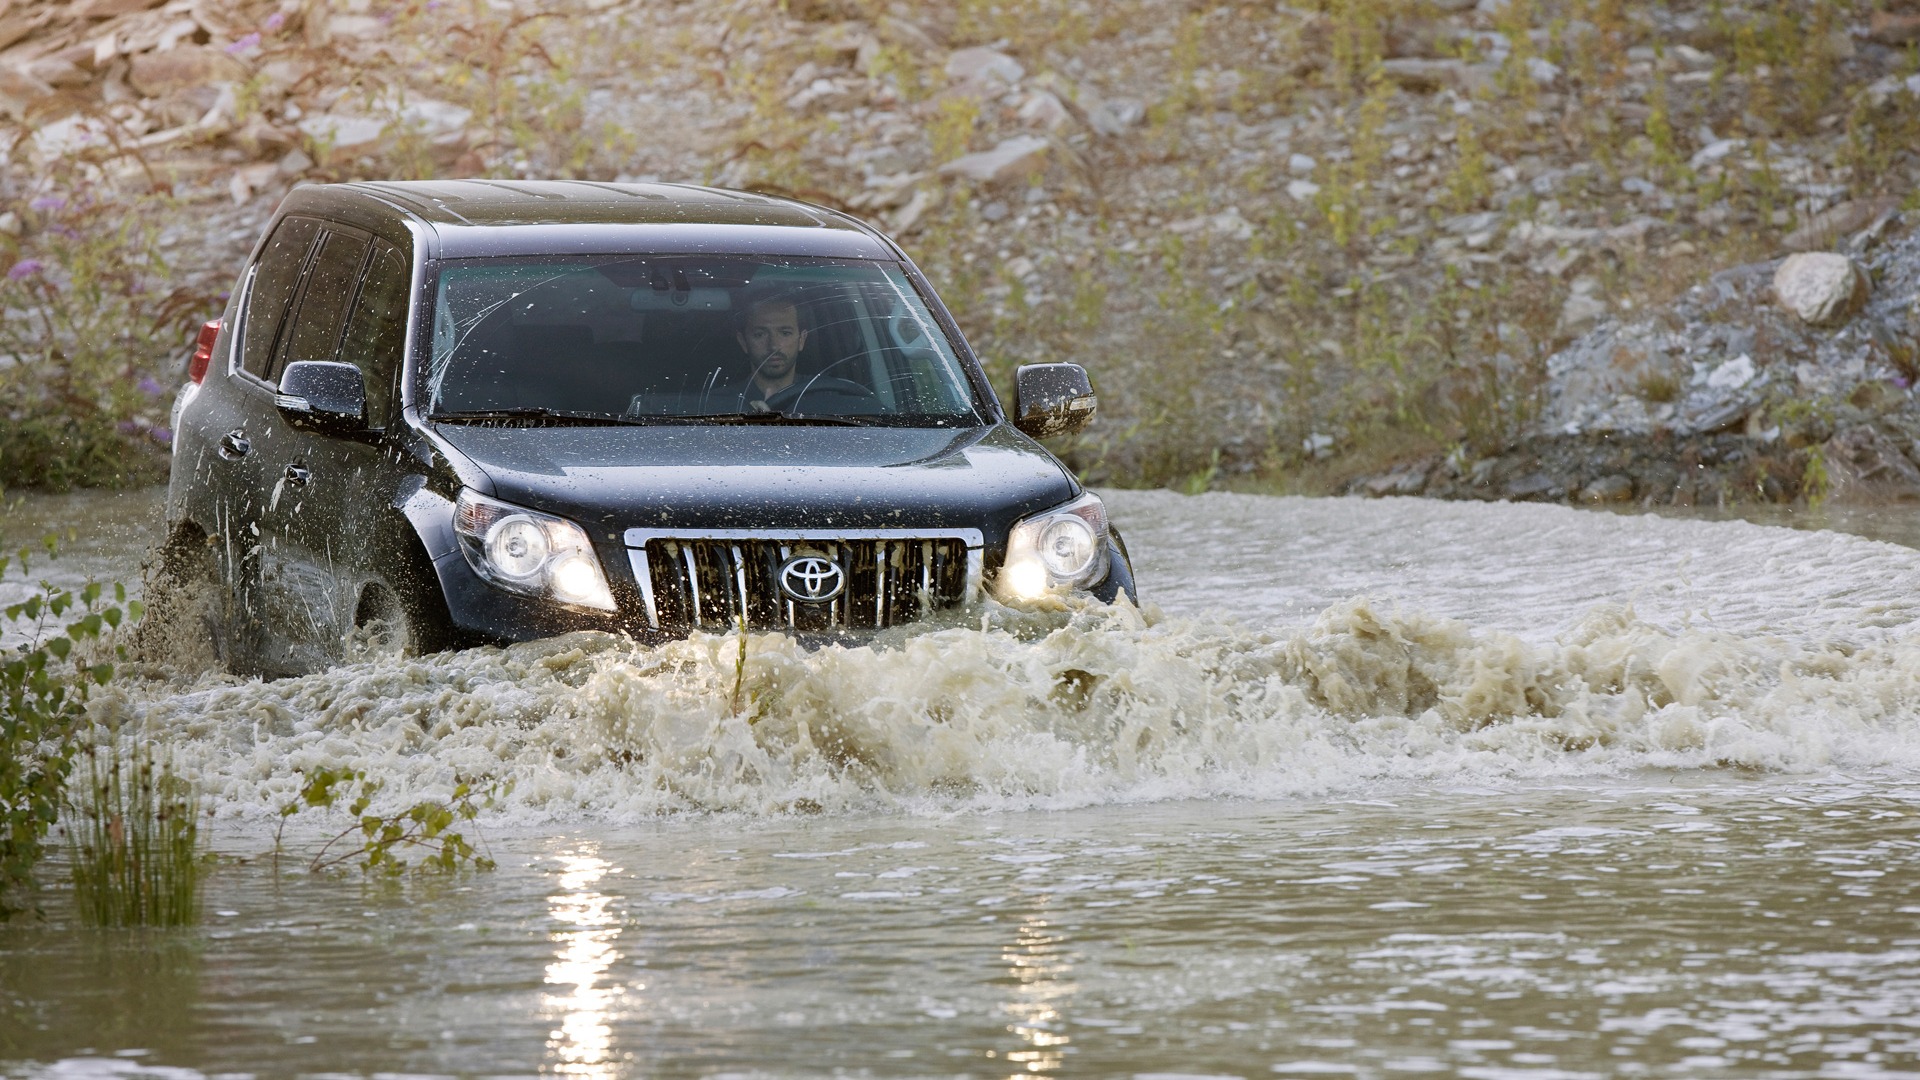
(1062, 549)
(528, 552)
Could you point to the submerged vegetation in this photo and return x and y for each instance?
(69, 650)
(383, 843)
(133, 834)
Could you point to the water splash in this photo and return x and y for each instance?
(1080, 705)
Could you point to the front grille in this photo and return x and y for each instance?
(712, 580)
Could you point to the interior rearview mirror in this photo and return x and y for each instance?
(1052, 399)
(323, 396)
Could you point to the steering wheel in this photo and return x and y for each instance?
(780, 400)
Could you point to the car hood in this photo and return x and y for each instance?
(712, 477)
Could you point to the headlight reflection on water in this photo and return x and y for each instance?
(1042, 986)
(582, 1045)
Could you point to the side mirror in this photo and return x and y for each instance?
(1052, 399)
(323, 396)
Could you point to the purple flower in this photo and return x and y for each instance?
(128, 427)
(161, 435)
(275, 21)
(1900, 382)
(47, 202)
(151, 388)
(25, 268)
(244, 44)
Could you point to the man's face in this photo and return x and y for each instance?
(772, 338)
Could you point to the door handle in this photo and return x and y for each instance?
(234, 445)
(298, 477)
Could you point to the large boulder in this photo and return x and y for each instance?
(1821, 287)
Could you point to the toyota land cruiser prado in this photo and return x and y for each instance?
(485, 411)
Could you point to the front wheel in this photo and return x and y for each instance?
(387, 625)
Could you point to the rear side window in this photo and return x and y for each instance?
(323, 302)
(274, 278)
(377, 329)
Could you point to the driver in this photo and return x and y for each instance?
(771, 332)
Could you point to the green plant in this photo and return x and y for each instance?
(92, 325)
(1659, 129)
(44, 685)
(1469, 183)
(425, 827)
(740, 668)
(952, 127)
(1815, 482)
(1201, 481)
(1359, 40)
(134, 836)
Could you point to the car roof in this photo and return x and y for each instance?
(465, 218)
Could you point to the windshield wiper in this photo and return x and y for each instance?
(753, 418)
(534, 413)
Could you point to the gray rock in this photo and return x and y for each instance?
(344, 135)
(158, 74)
(1045, 110)
(1715, 152)
(1422, 76)
(1013, 159)
(1533, 485)
(1865, 466)
(1114, 116)
(1821, 287)
(294, 162)
(1579, 312)
(1718, 416)
(1608, 489)
(1826, 228)
(1411, 480)
(984, 68)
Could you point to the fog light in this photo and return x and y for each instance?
(576, 579)
(1026, 579)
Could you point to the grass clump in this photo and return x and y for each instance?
(134, 836)
(67, 652)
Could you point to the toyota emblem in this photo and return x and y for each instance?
(812, 579)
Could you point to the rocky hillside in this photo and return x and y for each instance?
(1504, 248)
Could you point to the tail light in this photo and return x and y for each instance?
(203, 352)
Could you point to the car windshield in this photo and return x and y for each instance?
(689, 338)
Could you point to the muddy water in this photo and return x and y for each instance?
(1371, 789)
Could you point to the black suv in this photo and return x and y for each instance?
(478, 411)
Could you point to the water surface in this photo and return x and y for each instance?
(1372, 789)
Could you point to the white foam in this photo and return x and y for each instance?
(1492, 644)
